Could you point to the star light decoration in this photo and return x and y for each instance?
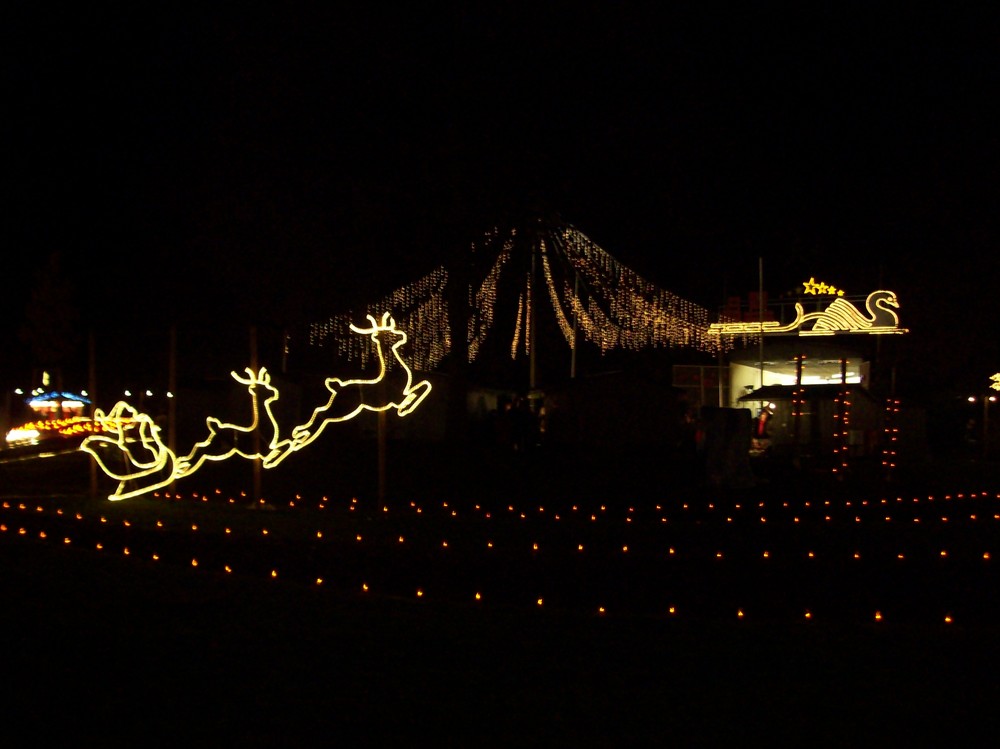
(593, 296)
(995, 381)
(813, 287)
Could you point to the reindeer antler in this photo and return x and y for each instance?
(387, 323)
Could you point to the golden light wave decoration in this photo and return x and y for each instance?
(131, 450)
(841, 316)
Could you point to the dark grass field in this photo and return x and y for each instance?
(104, 647)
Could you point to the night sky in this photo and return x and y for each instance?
(285, 163)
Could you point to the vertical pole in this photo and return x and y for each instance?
(576, 296)
(531, 316)
(92, 390)
(172, 393)
(721, 393)
(844, 415)
(760, 318)
(381, 456)
(256, 434)
(986, 426)
(797, 408)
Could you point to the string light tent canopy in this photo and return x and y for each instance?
(537, 292)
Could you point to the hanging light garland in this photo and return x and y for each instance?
(420, 308)
(593, 296)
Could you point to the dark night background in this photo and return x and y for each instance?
(280, 164)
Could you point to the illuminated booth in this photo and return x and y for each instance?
(806, 368)
(49, 418)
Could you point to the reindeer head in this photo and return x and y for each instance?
(382, 331)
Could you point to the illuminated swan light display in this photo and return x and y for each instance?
(841, 316)
(134, 438)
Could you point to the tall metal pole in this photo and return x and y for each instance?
(986, 426)
(572, 356)
(381, 447)
(172, 394)
(531, 316)
(760, 317)
(256, 434)
(92, 390)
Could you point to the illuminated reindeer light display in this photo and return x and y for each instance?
(391, 388)
(132, 439)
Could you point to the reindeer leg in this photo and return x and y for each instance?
(413, 397)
